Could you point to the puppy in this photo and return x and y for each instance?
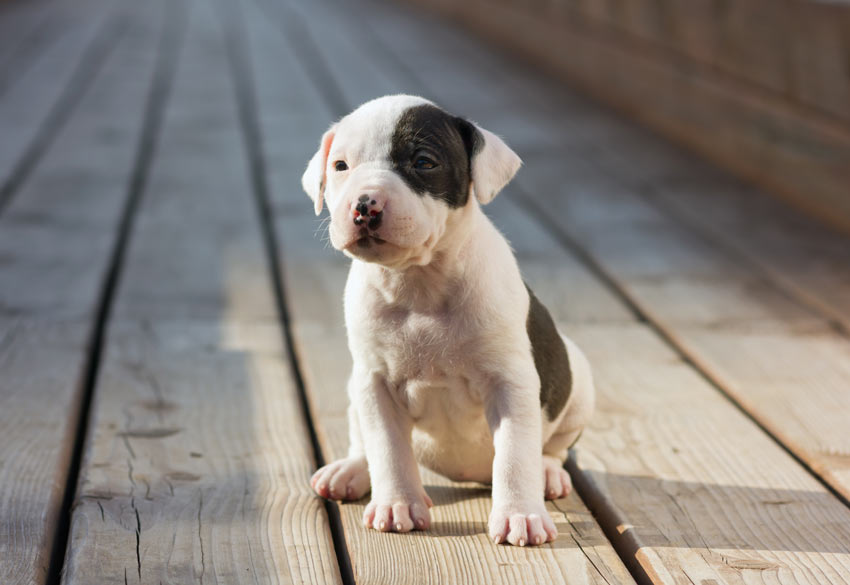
(457, 365)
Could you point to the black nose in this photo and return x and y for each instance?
(363, 211)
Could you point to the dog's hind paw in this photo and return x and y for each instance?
(555, 478)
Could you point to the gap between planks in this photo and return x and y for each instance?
(244, 84)
(264, 462)
(84, 74)
(171, 33)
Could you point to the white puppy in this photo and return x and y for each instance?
(457, 365)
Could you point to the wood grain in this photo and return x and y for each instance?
(685, 480)
(198, 460)
(55, 243)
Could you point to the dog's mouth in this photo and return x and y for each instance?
(366, 239)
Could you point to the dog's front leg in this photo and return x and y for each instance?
(519, 513)
(399, 502)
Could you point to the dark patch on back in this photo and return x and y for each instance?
(550, 358)
(450, 141)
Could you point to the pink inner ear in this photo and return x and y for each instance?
(327, 141)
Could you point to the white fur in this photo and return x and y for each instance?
(443, 372)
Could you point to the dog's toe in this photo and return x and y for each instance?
(345, 479)
(520, 529)
(400, 515)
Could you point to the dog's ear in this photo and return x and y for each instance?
(313, 179)
(492, 164)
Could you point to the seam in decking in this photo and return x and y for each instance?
(170, 40)
(740, 255)
(28, 50)
(90, 64)
(244, 84)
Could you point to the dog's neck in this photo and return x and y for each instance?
(440, 282)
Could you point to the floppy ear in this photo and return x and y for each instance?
(492, 163)
(313, 179)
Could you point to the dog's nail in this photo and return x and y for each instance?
(383, 525)
(331, 492)
(420, 523)
(349, 492)
(398, 526)
(497, 539)
(522, 542)
(538, 540)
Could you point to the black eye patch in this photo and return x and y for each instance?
(432, 150)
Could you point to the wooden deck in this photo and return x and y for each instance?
(172, 356)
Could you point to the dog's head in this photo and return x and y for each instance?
(396, 175)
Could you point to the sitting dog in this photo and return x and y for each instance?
(456, 364)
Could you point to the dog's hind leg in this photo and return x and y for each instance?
(575, 417)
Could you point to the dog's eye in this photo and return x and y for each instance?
(425, 163)
(340, 165)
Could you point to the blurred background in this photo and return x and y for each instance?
(760, 87)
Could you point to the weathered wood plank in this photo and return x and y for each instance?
(457, 548)
(35, 109)
(17, 21)
(685, 480)
(23, 28)
(55, 242)
(714, 307)
(198, 461)
(805, 257)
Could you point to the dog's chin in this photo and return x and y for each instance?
(376, 250)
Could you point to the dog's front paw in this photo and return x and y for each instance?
(345, 479)
(522, 525)
(400, 514)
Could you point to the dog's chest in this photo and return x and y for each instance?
(429, 358)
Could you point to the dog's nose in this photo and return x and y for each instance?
(368, 209)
